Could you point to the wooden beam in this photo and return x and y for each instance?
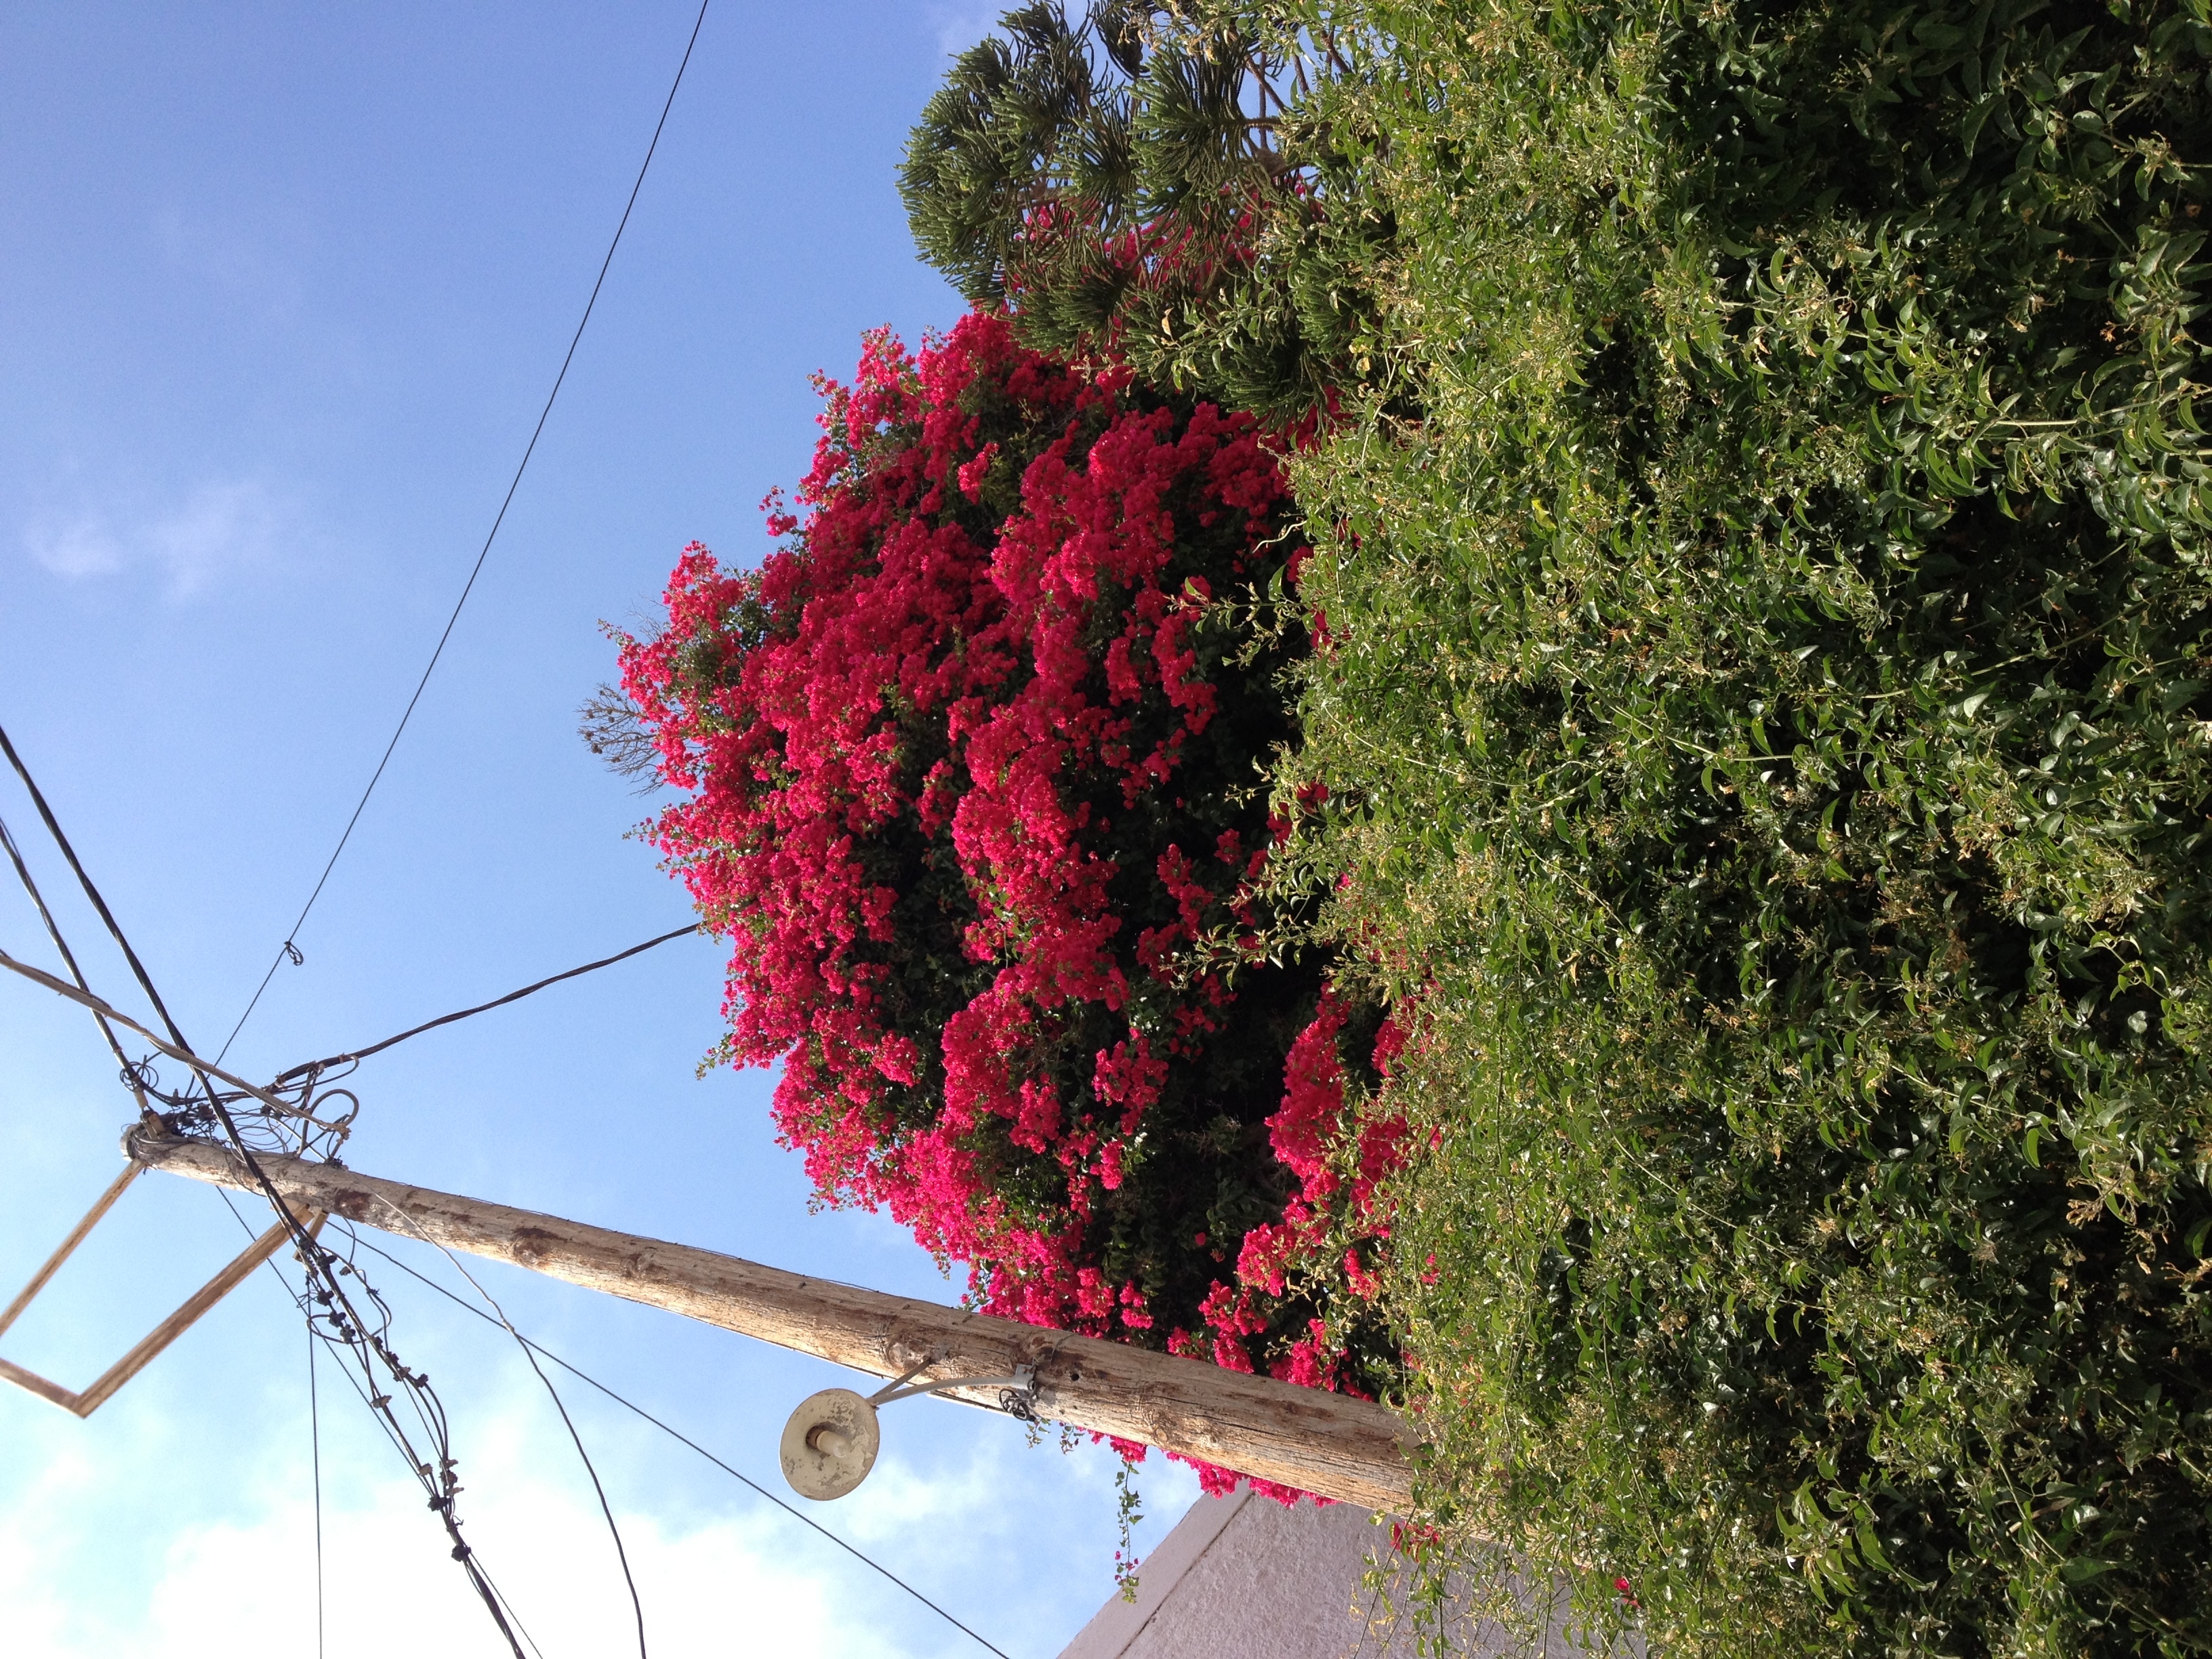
(1328, 1443)
(10, 1371)
(142, 1354)
(100, 1206)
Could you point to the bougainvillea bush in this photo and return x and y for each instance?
(973, 767)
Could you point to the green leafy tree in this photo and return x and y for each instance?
(1139, 185)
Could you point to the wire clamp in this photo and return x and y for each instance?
(1021, 1400)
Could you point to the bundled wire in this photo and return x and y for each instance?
(295, 1115)
(676, 1435)
(334, 1314)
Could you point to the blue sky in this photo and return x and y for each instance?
(281, 290)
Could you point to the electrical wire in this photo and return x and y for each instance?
(69, 959)
(347, 1325)
(364, 1338)
(676, 1435)
(307, 1080)
(637, 1607)
(194, 1114)
(318, 1066)
(315, 1466)
(301, 1301)
(316, 1262)
(289, 948)
(305, 1301)
(499, 1596)
(99, 904)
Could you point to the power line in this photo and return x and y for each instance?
(68, 957)
(284, 1078)
(678, 1435)
(305, 1079)
(315, 1466)
(364, 1339)
(637, 1607)
(319, 1261)
(312, 1293)
(289, 948)
(360, 1337)
(302, 1300)
(498, 1596)
(99, 904)
(315, 1256)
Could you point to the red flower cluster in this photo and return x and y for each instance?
(975, 772)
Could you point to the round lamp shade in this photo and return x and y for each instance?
(830, 1443)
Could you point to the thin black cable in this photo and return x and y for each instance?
(302, 1301)
(315, 1465)
(100, 904)
(678, 1435)
(478, 1572)
(517, 1617)
(284, 1078)
(637, 1607)
(69, 957)
(289, 948)
(622, 1555)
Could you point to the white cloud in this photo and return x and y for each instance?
(736, 1578)
(220, 528)
(178, 1525)
(247, 1586)
(960, 23)
(723, 1586)
(83, 546)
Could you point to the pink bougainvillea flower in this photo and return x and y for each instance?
(972, 768)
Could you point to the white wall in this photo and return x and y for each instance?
(1245, 1578)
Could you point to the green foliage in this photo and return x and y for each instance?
(1769, 749)
(1144, 186)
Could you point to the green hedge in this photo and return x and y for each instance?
(1768, 739)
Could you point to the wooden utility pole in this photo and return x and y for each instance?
(1326, 1443)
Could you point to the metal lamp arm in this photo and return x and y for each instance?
(1018, 1393)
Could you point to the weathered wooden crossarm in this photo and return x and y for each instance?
(1322, 1443)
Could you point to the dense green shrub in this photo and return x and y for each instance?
(1762, 584)
(1768, 740)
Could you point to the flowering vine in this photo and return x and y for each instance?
(972, 774)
